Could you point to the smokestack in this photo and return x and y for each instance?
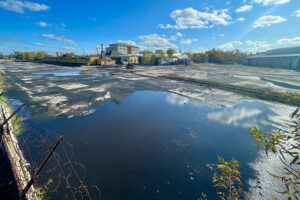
(102, 52)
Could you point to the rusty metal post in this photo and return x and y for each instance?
(36, 174)
(14, 113)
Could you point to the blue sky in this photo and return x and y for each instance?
(190, 25)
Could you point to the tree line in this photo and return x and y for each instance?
(150, 57)
(213, 56)
(26, 56)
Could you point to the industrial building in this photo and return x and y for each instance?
(123, 53)
(70, 60)
(287, 58)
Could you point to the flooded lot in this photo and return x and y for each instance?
(158, 145)
(145, 137)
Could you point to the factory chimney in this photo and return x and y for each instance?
(102, 52)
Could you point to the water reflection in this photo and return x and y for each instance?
(102, 75)
(158, 145)
(177, 99)
(263, 187)
(236, 117)
(72, 72)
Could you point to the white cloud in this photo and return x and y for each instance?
(295, 40)
(228, 3)
(233, 117)
(297, 12)
(221, 35)
(156, 42)
(172, 38)
(130, 42)
(60, 38)
(244, 1)
(255, 46)
(43, 24)
(191, 18)
(179, 34)
(230, 45)
(244, 8)
(270, 2)
(21, 6)
(188, 41)
(241, 19)
(268, 21)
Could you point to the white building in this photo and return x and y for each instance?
(122, 49)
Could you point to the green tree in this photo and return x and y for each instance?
(171, 52)
(227, 179)
(160, 53)
(147, 57)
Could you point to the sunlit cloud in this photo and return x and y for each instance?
(230, 45)
(257, 45)
(179, 34)
(43, 24)
(59, 38)
(240, 19)
(268, 21)
(130, 42)
(244, 8)
(270, 2)
(295, 40)
(297, 12)
(157, 42)
(22, 6)
(188, 41)
(191, 18)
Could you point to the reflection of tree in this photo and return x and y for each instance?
(286, 147)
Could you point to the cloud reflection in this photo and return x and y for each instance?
(235, 116)
(177, 99)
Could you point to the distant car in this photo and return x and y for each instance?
(129, 66)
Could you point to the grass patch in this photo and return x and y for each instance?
(16, 121)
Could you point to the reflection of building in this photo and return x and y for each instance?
(123, 53)
(288, 58)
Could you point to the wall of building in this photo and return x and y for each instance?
(282, 62)
(122, 49)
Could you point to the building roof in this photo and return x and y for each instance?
(282, 52)
(289, 50)
(273, 56)
(125, 44)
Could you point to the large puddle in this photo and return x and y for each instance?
(158, 145)
(72, 72)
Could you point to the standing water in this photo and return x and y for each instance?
(158, 145)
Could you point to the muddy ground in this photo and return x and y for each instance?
(73, 90)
